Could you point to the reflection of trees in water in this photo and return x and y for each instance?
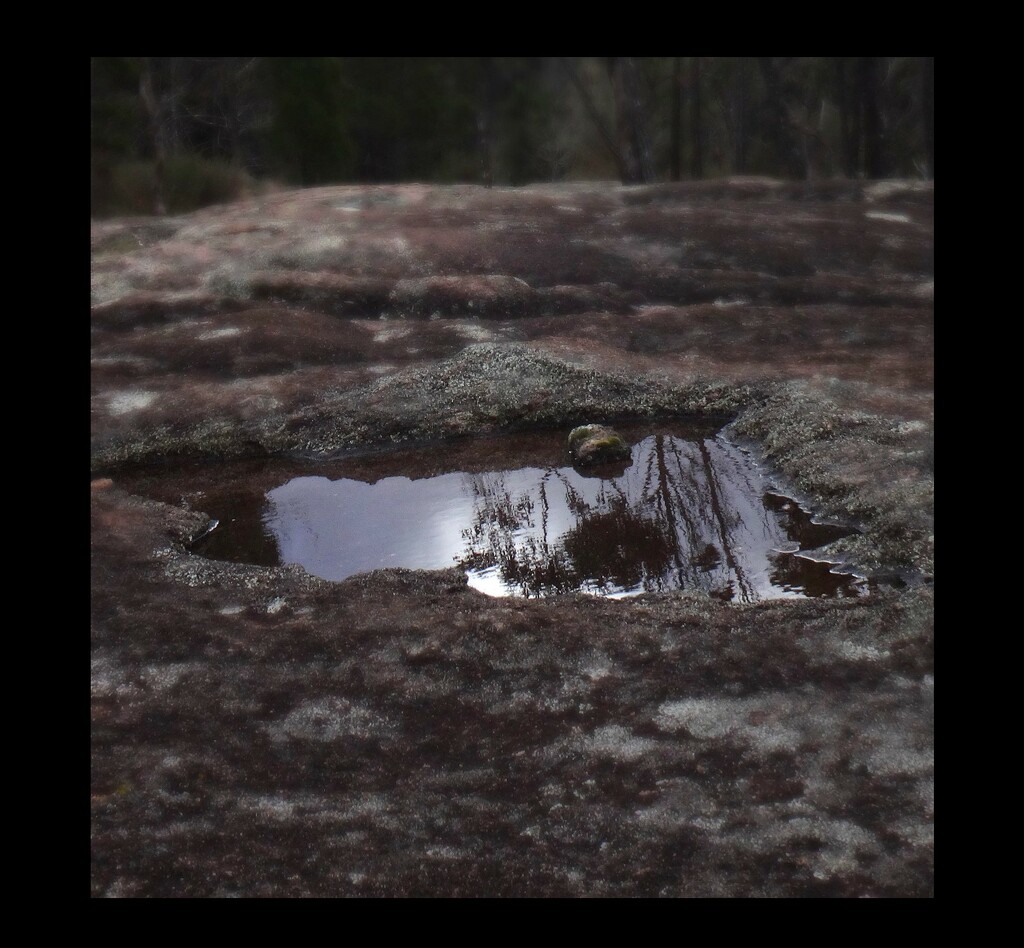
(792, 572)
(244, 537)
(663, 524)
(527, 561)
(812, 579)
(619, 546)
(798, 523)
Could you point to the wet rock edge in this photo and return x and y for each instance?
(862, 469)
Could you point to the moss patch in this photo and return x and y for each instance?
(592, 444)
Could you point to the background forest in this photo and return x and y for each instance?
(170, 134)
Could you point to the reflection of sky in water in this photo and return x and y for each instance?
(337, 528)
(684, 514)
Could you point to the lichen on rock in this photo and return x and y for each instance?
(595, 444)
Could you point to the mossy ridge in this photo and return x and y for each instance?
(852, 464)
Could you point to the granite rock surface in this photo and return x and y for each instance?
(257, 731)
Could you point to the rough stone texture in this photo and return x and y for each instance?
(260, 732)
(594, 444)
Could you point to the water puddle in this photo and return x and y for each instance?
(689, 511)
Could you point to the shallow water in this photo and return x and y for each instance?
(690, 511)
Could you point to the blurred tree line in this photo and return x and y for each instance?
(170, 133)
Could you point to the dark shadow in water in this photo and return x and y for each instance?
(689, 511)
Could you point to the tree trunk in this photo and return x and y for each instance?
(631, 121)
(742, 96)
(874, 159)
(152, 106)
(928, 109)
(849, 121)
(787, 149)
(676, 160)
(697, 157)
(607, 138)
(485, 122)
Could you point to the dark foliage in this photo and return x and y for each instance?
(507, 120)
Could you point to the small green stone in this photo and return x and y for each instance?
(593, 444)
